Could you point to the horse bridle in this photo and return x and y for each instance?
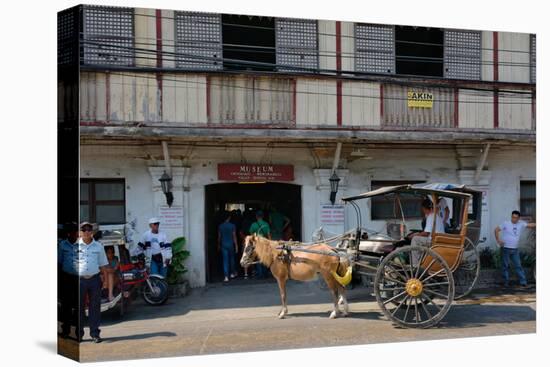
(249, 250)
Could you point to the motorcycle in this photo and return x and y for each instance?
(153, 287)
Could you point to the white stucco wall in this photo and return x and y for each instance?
(507, 166)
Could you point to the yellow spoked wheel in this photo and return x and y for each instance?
(414, 287)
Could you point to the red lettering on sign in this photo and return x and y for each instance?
(255, 172)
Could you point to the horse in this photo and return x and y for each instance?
(302, 266)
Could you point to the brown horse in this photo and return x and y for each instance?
(301, 266)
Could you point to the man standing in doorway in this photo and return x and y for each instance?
(91, 261)
(279, 222)
(155, 243)
(507, 236)
(261, 228)
(227, 244)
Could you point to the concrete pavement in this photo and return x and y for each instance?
(242, 317)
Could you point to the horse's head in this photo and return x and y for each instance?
(249, 254)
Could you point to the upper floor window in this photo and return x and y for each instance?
(198, 40)
(297, 45)
(67, 36)
(375, 48)
(248, 42)
(419, 51)
(462, 54)
(108, 35)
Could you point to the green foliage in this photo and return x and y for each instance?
(527, 259)
(497, 258)
(179, 254)
(486, 257)
(491, 258)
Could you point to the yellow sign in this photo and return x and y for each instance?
(420, 99)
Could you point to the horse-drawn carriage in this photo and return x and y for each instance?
(414, 285)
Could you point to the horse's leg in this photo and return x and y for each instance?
(282, 291)
(342, 300)
(331, 283)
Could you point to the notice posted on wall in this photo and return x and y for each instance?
(332, 214)
(171, 217)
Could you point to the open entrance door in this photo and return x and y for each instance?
(244, 200)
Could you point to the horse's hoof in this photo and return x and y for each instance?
(345, 314)
(281, 316)
(333, 315)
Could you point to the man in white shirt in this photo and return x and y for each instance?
(90, 262)
(156, 246)
(507, 236)
(424, 238)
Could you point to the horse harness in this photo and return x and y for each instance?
(287, 256)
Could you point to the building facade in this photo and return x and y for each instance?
(254, 110)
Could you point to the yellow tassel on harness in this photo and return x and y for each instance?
(345, 279)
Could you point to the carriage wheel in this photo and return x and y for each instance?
(467, 273)
(414, 287)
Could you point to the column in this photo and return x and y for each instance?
(328, 215)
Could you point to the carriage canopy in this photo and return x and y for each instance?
(438, 189)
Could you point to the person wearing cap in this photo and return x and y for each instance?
(67, 256)
(91, 261)
(261, 228)
(156, 246)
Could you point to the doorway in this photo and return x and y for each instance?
(246, 199)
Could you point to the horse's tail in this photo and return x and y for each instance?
(343, 272)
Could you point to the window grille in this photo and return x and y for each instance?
(296, 44)
(198, 41)
(374, 48)
(108, 35)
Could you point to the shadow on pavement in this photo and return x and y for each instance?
(372, 315)
(472, 316)
(139, 336)
(265, 293)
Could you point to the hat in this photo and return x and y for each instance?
(154, 220)
(86, 224)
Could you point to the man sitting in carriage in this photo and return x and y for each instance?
(424, 238)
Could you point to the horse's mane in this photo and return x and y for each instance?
(265, 249)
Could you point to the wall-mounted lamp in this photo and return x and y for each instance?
(166, 185)
(334, 180)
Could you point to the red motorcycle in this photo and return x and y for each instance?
(134, 275)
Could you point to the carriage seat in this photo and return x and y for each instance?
(450, 247)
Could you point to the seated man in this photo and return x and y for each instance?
(424, 238)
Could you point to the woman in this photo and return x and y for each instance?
(111, 278)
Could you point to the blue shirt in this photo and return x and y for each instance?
(226, 232)
(67, 256)
(90, 258)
